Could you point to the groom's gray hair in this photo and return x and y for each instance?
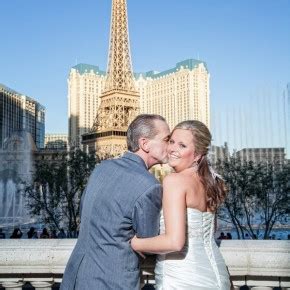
(143, 126)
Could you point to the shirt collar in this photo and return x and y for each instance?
(134, 157)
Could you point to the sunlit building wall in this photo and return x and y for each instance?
(85, 84)
(177, 94)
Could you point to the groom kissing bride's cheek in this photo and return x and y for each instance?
(122, 199)
(120, 214)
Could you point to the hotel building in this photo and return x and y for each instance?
(178, 94)
(262, 155)
(85, 84)
(20, 113)
(56, 141)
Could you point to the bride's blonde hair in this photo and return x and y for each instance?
(213, 184)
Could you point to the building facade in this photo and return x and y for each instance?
(218, 154)
(177, 94)
(19, 112)
(85, 84)
(262, 155)
(56, 141)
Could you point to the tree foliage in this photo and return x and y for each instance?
(258, 197)
(56, 190)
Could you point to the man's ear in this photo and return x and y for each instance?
(143, 144)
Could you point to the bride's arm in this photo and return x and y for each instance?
(174, 211)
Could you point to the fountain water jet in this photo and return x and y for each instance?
(16, 168)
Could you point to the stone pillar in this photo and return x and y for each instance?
(40, 285)
(10, 285)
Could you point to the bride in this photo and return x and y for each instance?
(188, 255)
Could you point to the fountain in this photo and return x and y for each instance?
(16, 168)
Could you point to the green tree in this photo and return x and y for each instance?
(273, 196)
(258, 196)
(80, 165)
(56, 190)
(44, 195)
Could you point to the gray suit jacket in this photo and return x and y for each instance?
(121, 199)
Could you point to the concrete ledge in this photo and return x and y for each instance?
(254, 263)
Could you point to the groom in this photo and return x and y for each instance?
(121, 199)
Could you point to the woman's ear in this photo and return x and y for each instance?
(144, 144)
(197, 157)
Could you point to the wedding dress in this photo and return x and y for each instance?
(200, 265)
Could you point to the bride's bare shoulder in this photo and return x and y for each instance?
(174, 179)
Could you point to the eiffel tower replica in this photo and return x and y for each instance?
(120, 102)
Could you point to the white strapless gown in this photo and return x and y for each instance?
(200, 265)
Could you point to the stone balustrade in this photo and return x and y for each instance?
(258, 264)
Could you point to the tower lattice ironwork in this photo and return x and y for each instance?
(119, 100)
(119, 71)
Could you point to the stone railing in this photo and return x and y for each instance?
(260, 265)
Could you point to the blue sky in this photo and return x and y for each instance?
(245, 43)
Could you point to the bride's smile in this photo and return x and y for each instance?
(181, 150)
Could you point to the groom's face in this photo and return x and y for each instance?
(158, 144)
